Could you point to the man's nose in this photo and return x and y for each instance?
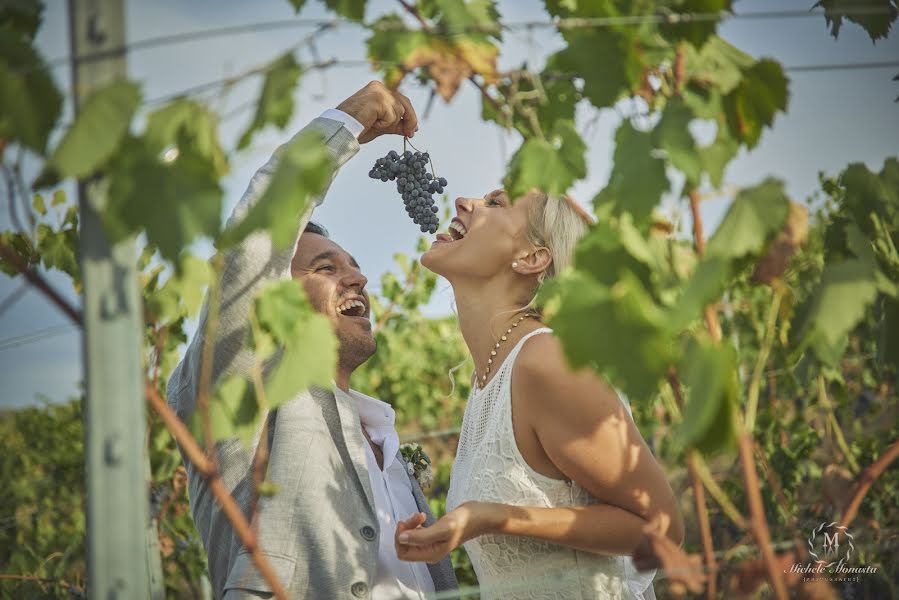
(355, 278)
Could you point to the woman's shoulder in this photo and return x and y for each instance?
(542, 370)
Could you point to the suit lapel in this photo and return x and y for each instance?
(352, 434)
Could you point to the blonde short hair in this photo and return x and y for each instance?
(556, 223)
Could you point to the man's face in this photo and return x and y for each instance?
(336, 288)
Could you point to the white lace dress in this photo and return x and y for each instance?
(490, 468)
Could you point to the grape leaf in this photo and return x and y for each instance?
(638, 178)
(351, 9)
(706, 284)
(40, 206)
(672, 134)
(309, 348)
(875, 17)
(846, 290)
(303, 171)
(754, 217)
(605, 79)
(186, 121)
(695, 31)
(716, 156)
(275, 105)
(233, 412)
(753, 103)
(591, 315)
(718, 64)
(21, 16)
(709, 373)
(30, 103)
(173, 202)
(550, 165)
(97, 131)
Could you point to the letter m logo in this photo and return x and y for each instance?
(831, 542)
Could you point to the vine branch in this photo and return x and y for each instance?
(36, 280)
(208, 470)
(866, 479)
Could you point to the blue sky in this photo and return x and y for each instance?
(834, 118)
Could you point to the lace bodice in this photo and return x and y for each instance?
(489, 468)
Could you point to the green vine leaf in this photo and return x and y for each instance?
(30, 103)
(638, 177)
(606, 80)
(353, 10)
(589, 311)
(275, 105)
(697, 31)
(753, 103)
(173, 201)
(308, 347)
(672, 134)
(709, 373)
(97, 131)
(550, 165)
(752, 220)
(877, 23)
(303, 171)
(187, 122)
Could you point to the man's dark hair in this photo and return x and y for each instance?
(316, 228)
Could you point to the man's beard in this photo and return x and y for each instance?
(355, 350)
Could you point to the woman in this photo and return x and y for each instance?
(552, 485)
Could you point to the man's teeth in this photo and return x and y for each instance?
(458, 228)
(348, 305)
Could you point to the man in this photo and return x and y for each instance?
(342, 485)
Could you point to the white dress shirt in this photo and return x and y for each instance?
(352, 125)
(394, 502)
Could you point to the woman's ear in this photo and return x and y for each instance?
(537, 261)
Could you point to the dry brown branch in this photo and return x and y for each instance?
(866, 479)
(207, 468)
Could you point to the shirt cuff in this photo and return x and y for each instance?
(352, 125)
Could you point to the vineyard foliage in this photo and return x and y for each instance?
(777, 327)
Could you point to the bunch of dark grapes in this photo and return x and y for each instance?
(414, 183)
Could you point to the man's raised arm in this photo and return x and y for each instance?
(372, 111)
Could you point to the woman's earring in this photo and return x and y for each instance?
(514, 264)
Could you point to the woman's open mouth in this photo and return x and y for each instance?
(455, 232)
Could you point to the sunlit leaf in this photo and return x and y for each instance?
(695, 31)
(673, 136)
(753, 104)
(275, 105)
(638, 178)
(752, 220)
(590, 311)
(309, 348)
(187, 122)
(605, 80)
(303, 171)
(709, 373)
(98, 130)
(173, 202)
(550, 165)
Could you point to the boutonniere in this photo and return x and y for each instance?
(418, 464)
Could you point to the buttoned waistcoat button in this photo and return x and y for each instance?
(368, 532)
(359, 589)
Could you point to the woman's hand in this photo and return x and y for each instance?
(415, 543)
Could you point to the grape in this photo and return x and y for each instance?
(414, 183)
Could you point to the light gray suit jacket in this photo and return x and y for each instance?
(320, 531)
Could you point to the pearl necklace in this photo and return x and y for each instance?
(483, 379)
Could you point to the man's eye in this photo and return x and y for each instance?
(325, 268)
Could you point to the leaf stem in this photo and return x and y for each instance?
(206, 358)
(755, 383)
(824, 400)
(866, 480)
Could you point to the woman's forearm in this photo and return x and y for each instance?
(599, 528)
